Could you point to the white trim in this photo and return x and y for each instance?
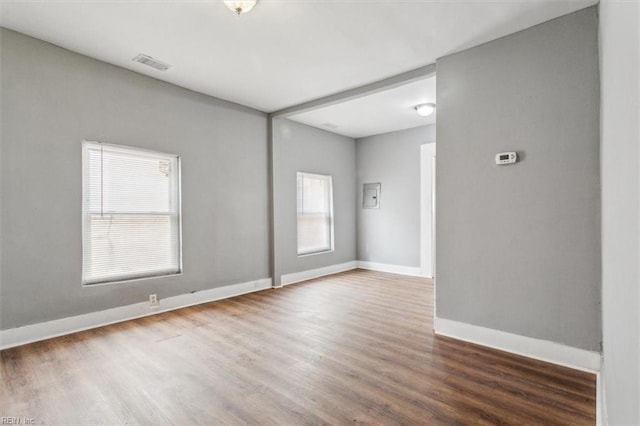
(297, 277)
(601, 407)
(542, 350)
(46, 330)
(427, 209)
(394, 269)
(598, 400)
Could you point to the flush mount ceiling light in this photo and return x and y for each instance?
(425, 110)
(240, 7)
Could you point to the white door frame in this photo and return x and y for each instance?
(427, 209)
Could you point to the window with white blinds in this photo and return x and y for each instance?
(315, 213)
(130, 213)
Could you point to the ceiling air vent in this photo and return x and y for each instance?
(153, 63)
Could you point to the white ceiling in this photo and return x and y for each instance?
(284, 52)
(374, 114)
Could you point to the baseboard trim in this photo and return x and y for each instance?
(60, 327)
(542, 350)
(394, 269)
(601, 408)
(297, 277)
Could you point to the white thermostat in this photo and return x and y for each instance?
(506, 158)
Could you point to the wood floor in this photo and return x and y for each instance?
(352, 348)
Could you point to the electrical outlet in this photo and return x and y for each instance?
(153, 300)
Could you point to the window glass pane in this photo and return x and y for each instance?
(315, 215)
(128, 183)
(130, 246)
(131, 225)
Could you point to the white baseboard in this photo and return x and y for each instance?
(542, 350)
(601, 408)
(394, 269)
(297, 277)
(45, 330)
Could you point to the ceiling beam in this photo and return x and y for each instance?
(358, 92)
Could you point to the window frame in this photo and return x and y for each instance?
(176, 198)
(331, 217)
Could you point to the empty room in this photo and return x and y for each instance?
(333, 212)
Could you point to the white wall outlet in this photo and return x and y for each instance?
(153, 300)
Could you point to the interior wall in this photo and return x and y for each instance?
(52, 99)
(301, 148)
(391, 234)
(1, 208)
(620, 139)
(518, 246)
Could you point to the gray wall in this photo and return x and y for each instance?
(391, 234)
(52, 99)
(518, 246)
(620, 71)
(301, 148)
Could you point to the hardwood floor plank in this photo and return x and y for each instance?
(355, 347)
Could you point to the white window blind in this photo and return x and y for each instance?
(315, 213)
(131, 213)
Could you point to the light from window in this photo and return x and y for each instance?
(131, 213)
(315, 213)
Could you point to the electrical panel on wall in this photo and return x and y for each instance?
(371, 195)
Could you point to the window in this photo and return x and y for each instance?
(315, 213)
(130, 213)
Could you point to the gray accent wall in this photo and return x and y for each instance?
(391, 233)
(301, 148)
(518, 246)
(52, 99)
(620, 72)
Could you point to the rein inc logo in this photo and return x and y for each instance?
(17, 421)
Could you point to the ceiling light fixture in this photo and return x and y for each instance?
(240, 7)
(425, 110)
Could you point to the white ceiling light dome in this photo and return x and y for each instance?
(425, 110)
(240, 7)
